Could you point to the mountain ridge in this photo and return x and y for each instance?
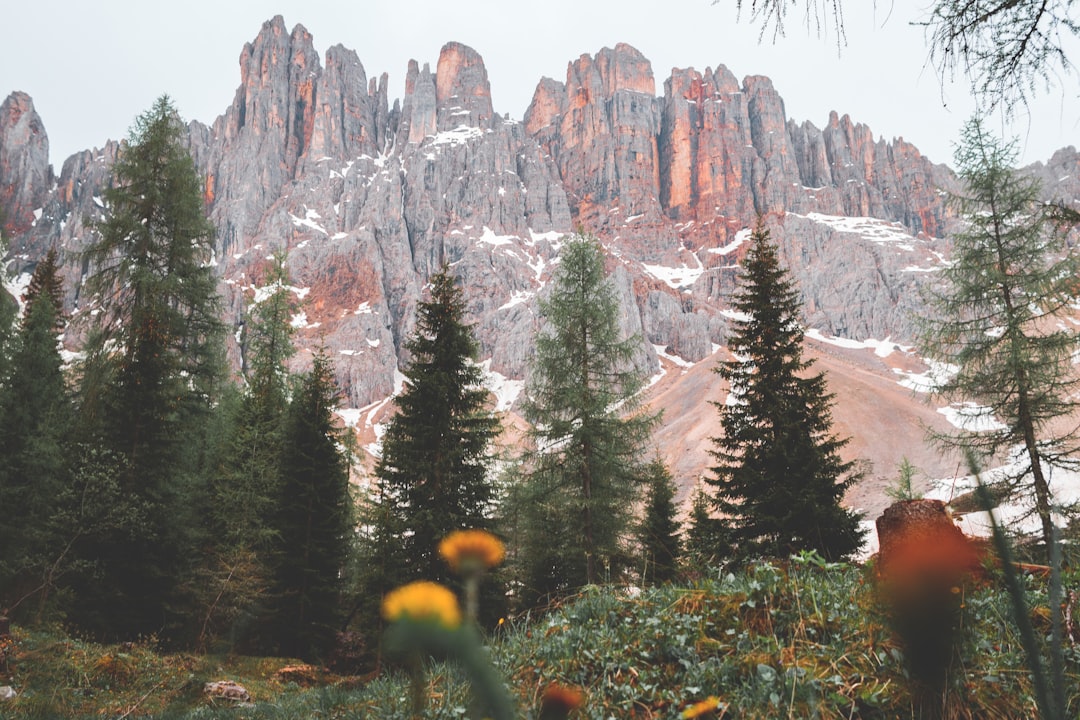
(369, 197)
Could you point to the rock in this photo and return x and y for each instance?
(370, 197)
(920, 543)
(227, 690)
(7, 692)
(25, 174)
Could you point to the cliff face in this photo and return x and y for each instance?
(369, 197)
(25, 173)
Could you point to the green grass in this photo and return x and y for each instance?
(801, 639)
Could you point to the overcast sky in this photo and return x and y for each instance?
(92, 66)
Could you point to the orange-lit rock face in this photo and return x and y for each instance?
(461, 83)
(25, 173)
(602, 134)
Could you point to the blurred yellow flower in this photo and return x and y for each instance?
(423, 602)
(698, 709)
(471, 550)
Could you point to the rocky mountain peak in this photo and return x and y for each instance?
(369, 196)
(25, 173)
(462, 91)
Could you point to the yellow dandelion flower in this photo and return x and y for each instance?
(471, 550)
(423, 602)
(699, 709)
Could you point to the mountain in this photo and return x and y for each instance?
(370, 196)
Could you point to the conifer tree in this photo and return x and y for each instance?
(779, 476)
(245, 492)
(433, 473)
(35, 420)
(585, 471)
(658, 533)
(1012, 275)
(314, 520)
(153, 369)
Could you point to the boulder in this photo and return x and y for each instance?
(227, 690)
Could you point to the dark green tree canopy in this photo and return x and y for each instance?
(658, 533)
(779, 476)
(153, 370)
(315, 520)
(587, 431)
(436, 453)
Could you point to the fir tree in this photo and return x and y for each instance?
(658, 533)
(153, 369)
(314, 520)
(246, 491)
(436, 453)
(1012, 273)
(585, 472)
(779, 478)
(35, 421)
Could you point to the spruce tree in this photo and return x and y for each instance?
(153, 369)
(35, 422)
(245, 492)
(1012, 277)
(585, 471)
(658, 534)
(314, 520)
(433, 474)
(779, 476)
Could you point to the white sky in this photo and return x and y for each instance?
(92, 66)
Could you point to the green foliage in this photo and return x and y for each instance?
(658, 533)
(35, 422)
(1012, 273)
(902, 488)
(584, 472)
(314, 520)
(803, 638)
(433, 474)
(152, 374)
(779, 478)
(246, 490)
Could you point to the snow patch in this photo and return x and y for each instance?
(870, 228)
(458, 136)
(1064, 484)
(488, 237)
(505, 390)
(971, 417)
(661, 350)
(740, 237)
(930, 380)
(882, 348)
(676, 278)
(518, 297)
(308, 221)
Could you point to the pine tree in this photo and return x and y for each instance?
(436, 457)
(585, 472)
(246, 490)
(314, 520)
(35, 421)
(153, 369)
(1012, 274)
(658, 533)
(779, 477)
